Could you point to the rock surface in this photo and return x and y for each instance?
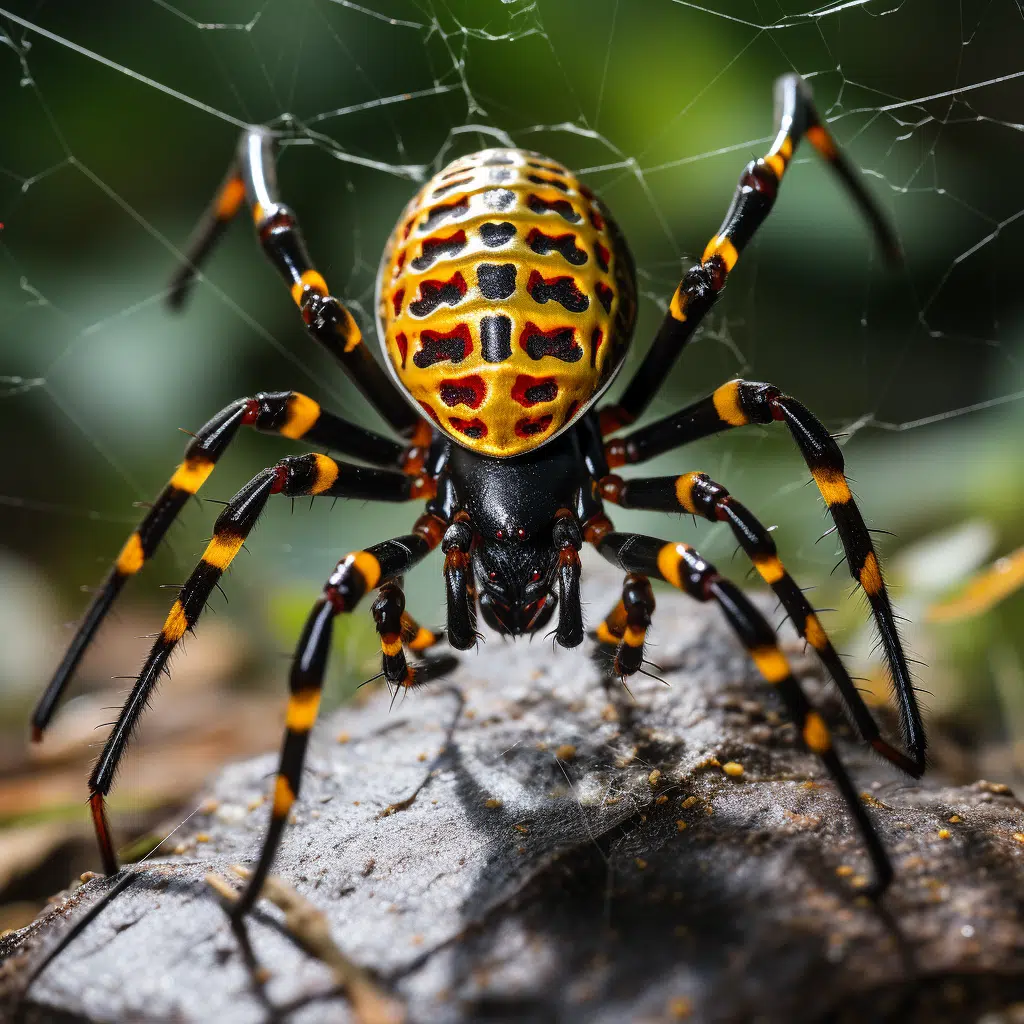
(572, 855)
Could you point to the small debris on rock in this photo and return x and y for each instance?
(680, 1008)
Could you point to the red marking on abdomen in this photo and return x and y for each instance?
(474, 428)
(597, 220)
(527, 427)
(435, 347)
(396, 301)
(403, 346)
(463, 391)
(529, 391)
(605, 296)
(596, 337)
(430, 412)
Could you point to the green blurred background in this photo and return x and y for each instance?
(103, 175)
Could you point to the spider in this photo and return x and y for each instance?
(506, 299)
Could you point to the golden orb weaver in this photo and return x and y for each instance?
(506, 302)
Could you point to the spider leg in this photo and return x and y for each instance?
(355, 574)
(459, 582)
(795, 118)
(418, 638)
(310, 475)
(684, 568)
(568, 540)
(398, 630)
(739, 403)
(697, 494)
(624, 631)
(252, 177)
(286, 413)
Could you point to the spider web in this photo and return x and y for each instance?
(118, 126)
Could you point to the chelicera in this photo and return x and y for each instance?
(506, 302)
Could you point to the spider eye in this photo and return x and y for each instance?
(492, 575)
(536, 575)
(499, 534)
(520, 533)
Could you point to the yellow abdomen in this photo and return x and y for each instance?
(506, 300)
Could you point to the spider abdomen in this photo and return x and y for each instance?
(506, 300)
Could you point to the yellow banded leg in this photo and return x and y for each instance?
(388, 611)
(286, 413)
(294, 476)
(355, 575)
(736, 404)
(638, 605)
(697, 494)
(752, 202)
(253, 178)
(684, 568)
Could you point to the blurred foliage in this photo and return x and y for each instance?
(102, 175)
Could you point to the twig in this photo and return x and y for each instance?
(307, 925)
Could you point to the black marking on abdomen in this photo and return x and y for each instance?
(494, 235)
(432, 248)
(496, 280)
(436, 347)
(538, 179)
(496, 338)
(448, 211)
(562, 289)
(559, 343)
(560, 206)
(449, 186)
(469, 391)
(436, 293)
(565, 245)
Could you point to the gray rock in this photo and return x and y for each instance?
(572, 855)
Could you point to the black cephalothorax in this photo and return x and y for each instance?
(518, 519)
(506, 303)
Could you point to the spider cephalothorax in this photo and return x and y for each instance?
(506, 301)
(517, 585)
